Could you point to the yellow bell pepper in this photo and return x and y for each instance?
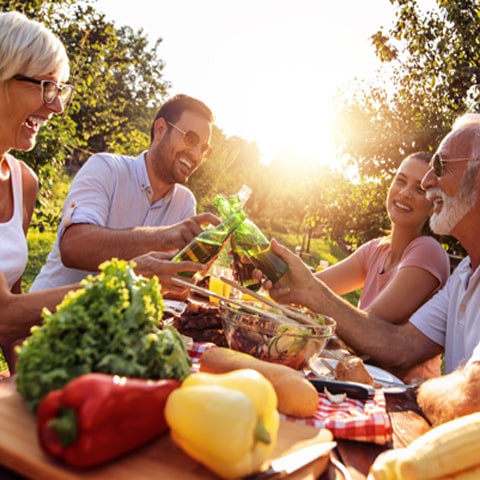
(228, 422)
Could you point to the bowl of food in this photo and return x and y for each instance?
(273, 337)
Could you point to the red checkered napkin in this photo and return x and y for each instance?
(195, 351)
(364, 421)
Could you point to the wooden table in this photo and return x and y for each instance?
(408, 423)
(406, 418)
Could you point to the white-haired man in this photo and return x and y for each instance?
(448, 323)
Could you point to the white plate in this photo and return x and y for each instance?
(390, 383)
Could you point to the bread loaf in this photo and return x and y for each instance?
(296, 395)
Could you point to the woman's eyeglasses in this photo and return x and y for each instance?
(437, 163)
(191, 140)
(50, 89)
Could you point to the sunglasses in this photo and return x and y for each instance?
(191, 140)
(50, 89)
(437, 163)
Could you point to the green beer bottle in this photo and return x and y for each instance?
(252, 242)
(207, 244)
(244, 271)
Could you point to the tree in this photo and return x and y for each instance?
(432, 67)
(347, 212)
(432, 62)
(119, 85)
(232, 163)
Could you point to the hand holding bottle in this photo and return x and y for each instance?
(296, 286)
(250, 241)
(173, 237)
(158, 263)
(205, 247)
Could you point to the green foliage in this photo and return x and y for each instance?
(232, 163)
(431, 75)
(119, 83)
(52, 193)
(39, 245)
(43, 228)
(432, 71)
(119, 78)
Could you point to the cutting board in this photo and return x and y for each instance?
(20, 451)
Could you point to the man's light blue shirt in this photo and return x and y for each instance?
(111, 191)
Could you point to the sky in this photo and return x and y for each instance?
(268, 69)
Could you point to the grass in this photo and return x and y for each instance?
(39, 245)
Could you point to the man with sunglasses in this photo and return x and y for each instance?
(124, 207)
(449, 322)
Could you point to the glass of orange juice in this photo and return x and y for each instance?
(218, 286)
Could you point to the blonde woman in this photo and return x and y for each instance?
(34, 69)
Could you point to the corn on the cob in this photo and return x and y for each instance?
(385, 465)
(446, 451)
(470, 474)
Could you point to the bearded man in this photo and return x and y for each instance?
(448, 323)
(136, 207)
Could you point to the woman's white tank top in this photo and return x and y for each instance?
(13, 244)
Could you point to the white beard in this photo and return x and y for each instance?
(454, 208)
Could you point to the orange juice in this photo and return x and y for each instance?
(218, 286)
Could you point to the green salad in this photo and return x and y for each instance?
(111, 325)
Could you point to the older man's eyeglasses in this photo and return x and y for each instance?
(191, 140)
(50, 89)
(437, 163)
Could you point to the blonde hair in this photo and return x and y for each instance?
(29, 48)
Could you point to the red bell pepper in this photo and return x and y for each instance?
(97, 417)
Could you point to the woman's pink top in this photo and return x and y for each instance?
(423, 252)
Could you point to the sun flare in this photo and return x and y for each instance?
(299, 128)
(268, 72)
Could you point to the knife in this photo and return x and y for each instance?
(360, 391)
(291, 462)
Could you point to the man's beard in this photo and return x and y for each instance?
(455, 208)
(163, 165)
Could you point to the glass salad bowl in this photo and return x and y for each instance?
(279, 340)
